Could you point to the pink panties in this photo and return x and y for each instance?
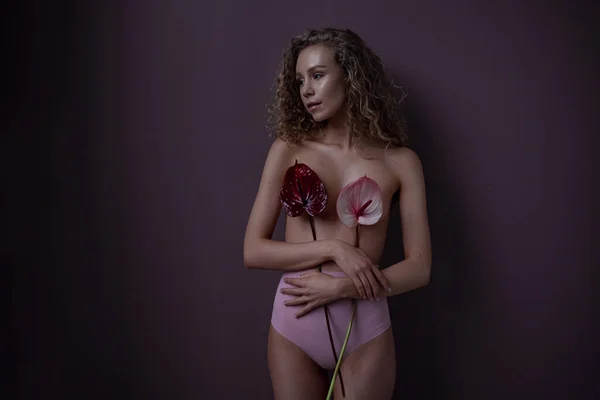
(309, 332)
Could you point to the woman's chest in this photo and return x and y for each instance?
(337, 170)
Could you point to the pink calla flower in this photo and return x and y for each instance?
(360, 203)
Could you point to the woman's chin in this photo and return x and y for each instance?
(319, 117)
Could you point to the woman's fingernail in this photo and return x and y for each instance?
(389, 289)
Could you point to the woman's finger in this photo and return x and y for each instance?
(359, 286)
(296, 302)
(381, 278)
(365, 284)
(370, 289)
(294, 291)
(309, 273)
(294, 281)
(309, 307)
(373, 284)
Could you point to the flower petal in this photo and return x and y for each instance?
(313, 194)
(302, 190)
(289, 195)
(360, 202)
(345, 210)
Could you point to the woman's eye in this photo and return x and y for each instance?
(317, 76)
(300, 82)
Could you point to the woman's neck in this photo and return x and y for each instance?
(337, 132)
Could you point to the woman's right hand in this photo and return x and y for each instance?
(358, 266)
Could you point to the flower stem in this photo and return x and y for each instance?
(314, 232)
(333, 349)
(337, 366)
(339, 362)
(326, 309)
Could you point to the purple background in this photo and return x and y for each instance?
(134, 142)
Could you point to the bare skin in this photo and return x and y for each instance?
(369, 372)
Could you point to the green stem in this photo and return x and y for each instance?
(333, 349)
(337, 366)
(326, 310)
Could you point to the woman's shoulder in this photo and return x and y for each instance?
(283, 147)
(403, 161)
(280, 147)
(282, 152)
(403, 154)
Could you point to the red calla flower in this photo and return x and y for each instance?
(302, 190)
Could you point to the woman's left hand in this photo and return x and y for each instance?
(312, 289)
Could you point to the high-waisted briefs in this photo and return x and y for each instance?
(309, 332)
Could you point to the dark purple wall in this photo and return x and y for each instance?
(139, 141)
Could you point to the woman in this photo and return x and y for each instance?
(334, 111)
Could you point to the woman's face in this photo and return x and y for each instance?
(321, 81)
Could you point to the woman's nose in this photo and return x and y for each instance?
(307, 90)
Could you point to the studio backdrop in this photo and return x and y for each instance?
(141, 140)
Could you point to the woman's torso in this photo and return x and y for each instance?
(337, 168)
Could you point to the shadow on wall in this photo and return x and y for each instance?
(425, 320)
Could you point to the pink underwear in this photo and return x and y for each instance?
(309, 332)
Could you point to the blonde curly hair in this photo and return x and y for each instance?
(372, 109)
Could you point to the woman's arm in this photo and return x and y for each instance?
(260, 252)
(412, 272)
(316, 289)
(284, 256)
(405, 276)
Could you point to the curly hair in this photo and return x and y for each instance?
(371, 107)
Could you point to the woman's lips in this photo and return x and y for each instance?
(312, 106)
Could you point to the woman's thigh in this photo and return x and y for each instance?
(370, 371)
(294, 375)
